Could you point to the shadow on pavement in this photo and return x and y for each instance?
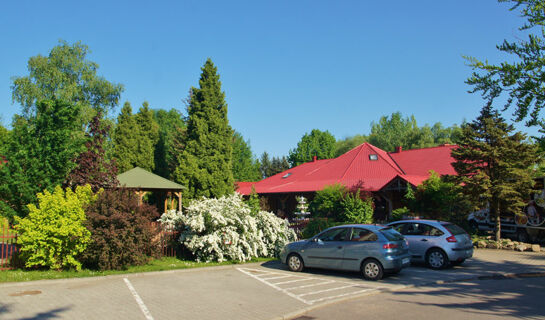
(507, 297)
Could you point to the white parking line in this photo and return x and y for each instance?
(264, 277)
(325, 290)
(296, 280)
(311, 285)
(280, 277)
(141, 304)
(339, 296)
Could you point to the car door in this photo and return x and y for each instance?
(362, 243)
(327, 249)
(419, 236)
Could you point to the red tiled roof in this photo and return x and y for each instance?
(356, 169)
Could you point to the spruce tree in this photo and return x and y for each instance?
(245, 166)
(148, 135)
(205, 164)
(493, 165)
(125, 139)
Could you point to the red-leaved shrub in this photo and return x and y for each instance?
(121, 231)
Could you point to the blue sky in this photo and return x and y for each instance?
(286, 67)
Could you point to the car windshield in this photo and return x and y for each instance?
(454, 229)
(391, 234)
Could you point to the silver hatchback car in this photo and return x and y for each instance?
(437, 243)
(371, 249)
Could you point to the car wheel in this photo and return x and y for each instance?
(437, 259)
(295, 263)
(372, 270)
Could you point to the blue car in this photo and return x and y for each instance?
(437, 243)
(371, 249)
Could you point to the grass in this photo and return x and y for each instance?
(20, 275)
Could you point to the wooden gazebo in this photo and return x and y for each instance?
(142, 181)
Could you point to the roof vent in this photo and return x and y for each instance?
(373, 157)
(286, 175)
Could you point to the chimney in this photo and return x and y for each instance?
(314, 158)
(399, 149)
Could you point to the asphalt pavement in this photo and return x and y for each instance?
(250, 291)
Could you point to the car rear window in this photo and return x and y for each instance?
(391, 234)
(454, 229)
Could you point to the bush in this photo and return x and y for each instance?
(328, 202)
(53, 235)
(338, 203)
(356, 209)
(317, 225)
(122, 234)
(225, 229)
(400, 214)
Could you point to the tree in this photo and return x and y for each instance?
(265, 165)
(349, 143)
(125, 139)
(40, 154)
(65, 75)
(147, 137)
(245, 166)
(270, 167)
(519, 80)
(4, 136)
(205, 164)
(437, 198)
(394, 131)
(493, 165)
(172, 131)
(320, 144)
(92, 167)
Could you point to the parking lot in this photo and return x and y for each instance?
(247, 291)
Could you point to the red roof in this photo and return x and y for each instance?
(365, 166)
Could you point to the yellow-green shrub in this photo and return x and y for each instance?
(52, 235)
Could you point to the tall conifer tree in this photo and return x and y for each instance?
(205, 163)
(125, 139)
(148, 135)
(493, 164)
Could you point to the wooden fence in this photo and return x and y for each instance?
(166, 239)
(8, 245)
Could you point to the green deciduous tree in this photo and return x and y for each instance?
(320, 144)
(40, 154)
(493, 164)
(66, 74)
(205, 164)
(349, 143)
(245, 166)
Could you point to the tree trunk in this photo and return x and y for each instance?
(498, 222)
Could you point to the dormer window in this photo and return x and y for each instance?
(373, 157)
(286, 175)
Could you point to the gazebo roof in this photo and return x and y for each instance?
(138, 178)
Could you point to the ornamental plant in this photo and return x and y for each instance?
(122, 234)
(53, 235)
(225, 229)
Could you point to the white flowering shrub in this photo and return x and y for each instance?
(224, 229)
(171, 220)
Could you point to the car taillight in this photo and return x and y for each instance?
(451, 239)
(389, 246)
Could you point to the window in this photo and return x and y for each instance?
(359, 234)
(286, 175)
(421, 229)
(391, 234)
(339, 234)
(399, 227)
(373, 157)
(454, 229)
